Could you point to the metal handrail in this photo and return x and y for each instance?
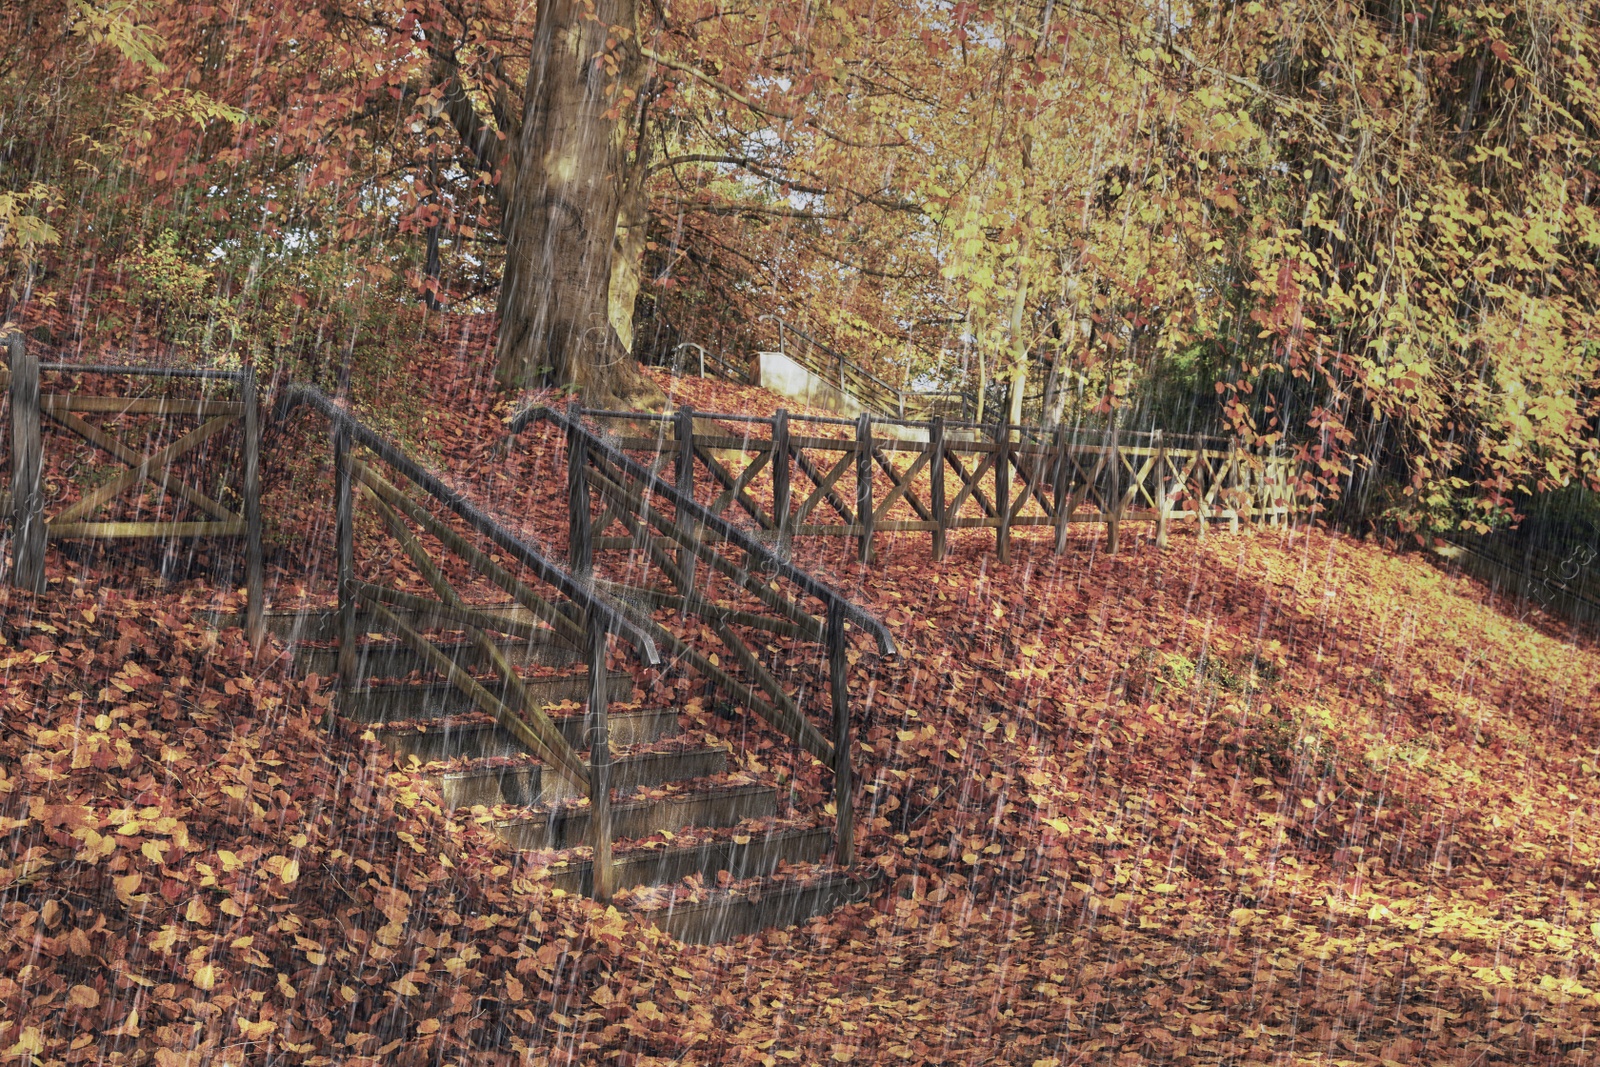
(770, 561)
(900, 396)
(579, 592)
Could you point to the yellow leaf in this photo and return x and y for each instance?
(205, 977)
(1060, 826)
(255, 1031)
(289, 872)
(83, 996)
(428, 1026)
(197, 912)
(1165, 887)
(405, 987)
(29, 1041)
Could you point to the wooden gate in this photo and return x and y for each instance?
(65, 411)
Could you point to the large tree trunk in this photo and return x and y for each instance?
(561, 214)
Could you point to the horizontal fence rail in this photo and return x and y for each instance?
(797, 475)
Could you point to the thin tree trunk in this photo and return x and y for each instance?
(627, 257)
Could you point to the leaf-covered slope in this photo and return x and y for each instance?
(1255, 798)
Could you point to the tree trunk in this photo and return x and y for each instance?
(561, 214)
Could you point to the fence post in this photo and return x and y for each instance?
(1002, 492)
(344, 541)
(843, 785)
(255, 623)
(683, 430)
(599, 737)
(580, 536)
(27, 460)
(1161, 490)
(1113, 499)
(864, 484)
(780, 476)
(936, 484)
(1059, 491)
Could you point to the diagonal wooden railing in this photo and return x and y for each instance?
(672, 552)
(412, 504)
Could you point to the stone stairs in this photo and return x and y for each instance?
(700, 849)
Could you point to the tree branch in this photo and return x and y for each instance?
(762, 109)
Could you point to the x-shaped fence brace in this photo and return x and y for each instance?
(1017, 477)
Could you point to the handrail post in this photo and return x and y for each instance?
(864, 485)
(1113, 501)
(599, 738)
(843, 783)
(1058, 488)
(580, 535)
(936, 500)
(781, 473)
(683, 429)
(1161, 490)
(1002, 492)
(28, 532)
(344, 542)
(255, 607)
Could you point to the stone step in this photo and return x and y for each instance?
(776, 901)
(445, 739)
(564, 827)
(322, 624)
(392, 660)
(386, 701)
(756, 858)
(629, 771)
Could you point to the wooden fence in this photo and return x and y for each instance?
(793, 475)
(65, 409)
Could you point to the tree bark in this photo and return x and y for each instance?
(561, 212)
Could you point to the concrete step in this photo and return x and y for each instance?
(756, 858)
(322, 624)
(386, 701)
(389, 659)
(531, 784)
(445, 739)
(566, 826)
(519, 784)
(777, 901)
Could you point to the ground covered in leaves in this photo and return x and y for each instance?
(1273, 797)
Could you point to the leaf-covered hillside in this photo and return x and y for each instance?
(1266, 798)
